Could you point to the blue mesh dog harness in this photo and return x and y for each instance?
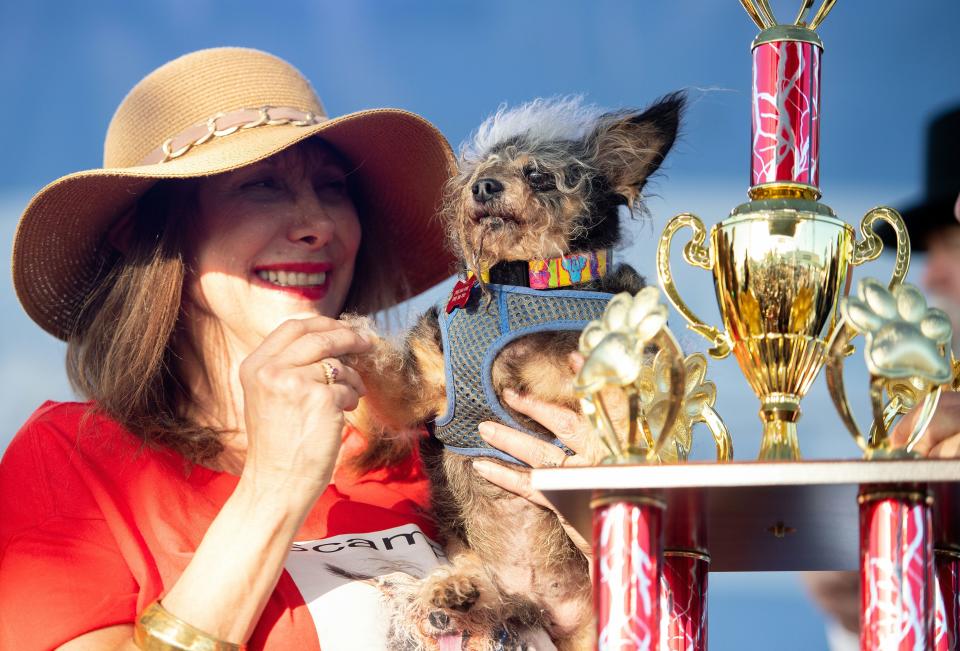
(473, 336)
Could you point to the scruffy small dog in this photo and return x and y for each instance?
(537, 204)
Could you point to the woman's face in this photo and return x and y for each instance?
(272, 241)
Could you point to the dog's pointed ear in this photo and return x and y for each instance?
(629, 146)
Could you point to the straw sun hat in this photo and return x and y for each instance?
(209, 112)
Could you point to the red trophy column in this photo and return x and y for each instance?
(683, 601)
(785, 148)
(896, 569)
(627, 557)
(946, 636)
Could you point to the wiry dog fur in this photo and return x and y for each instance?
(539, 181)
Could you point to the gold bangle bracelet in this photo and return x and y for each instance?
(158, 630)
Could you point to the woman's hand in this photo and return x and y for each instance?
(573, 429)
(294, 417)
(942, 438)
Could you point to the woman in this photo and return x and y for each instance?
(197, 279)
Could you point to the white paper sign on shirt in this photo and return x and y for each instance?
(359, 589)
(353, 583)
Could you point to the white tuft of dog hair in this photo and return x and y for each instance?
(538, 121)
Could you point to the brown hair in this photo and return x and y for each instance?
(121, 353)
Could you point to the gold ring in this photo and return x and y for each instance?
(330, 372)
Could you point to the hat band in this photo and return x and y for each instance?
(224, 124)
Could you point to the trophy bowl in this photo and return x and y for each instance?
(779, 272)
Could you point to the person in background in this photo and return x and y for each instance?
(934, 224)
(934, 228)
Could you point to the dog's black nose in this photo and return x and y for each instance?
(439, 620)
(486, 189)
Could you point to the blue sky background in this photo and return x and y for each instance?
(888, 65)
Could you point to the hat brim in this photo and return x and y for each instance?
(921, 220)
(399, 162)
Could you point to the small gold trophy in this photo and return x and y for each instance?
(641, 394)
(908, 357)
(781, 261)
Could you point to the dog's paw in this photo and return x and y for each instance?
(452, 591)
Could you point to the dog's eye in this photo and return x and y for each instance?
(539, 181)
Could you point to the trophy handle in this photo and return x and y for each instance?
(870, 246)
(838, 348)
(696, 367)
(665, 340)
(926, 415)
(885, 414)
(721, 436)
(699, 256)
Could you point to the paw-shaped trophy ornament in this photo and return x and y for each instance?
(908, 357)
(634, 384)
(699, 398)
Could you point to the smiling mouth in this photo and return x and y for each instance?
(282, 278)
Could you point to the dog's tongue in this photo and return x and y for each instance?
(451, 642)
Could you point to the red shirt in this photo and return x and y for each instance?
(94, 526)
